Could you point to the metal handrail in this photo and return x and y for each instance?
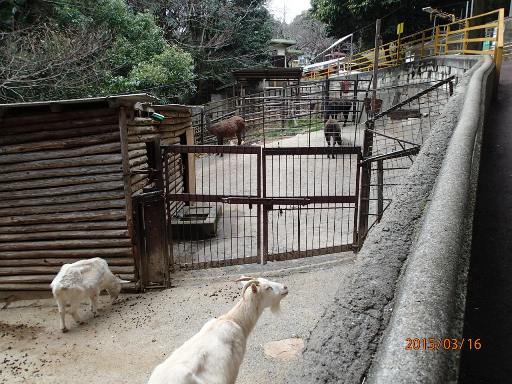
(427, 43)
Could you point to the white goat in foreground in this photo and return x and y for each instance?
(214, 354)
(84, 279)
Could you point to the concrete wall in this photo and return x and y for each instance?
(408, 279)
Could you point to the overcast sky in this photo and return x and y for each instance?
(287, 8)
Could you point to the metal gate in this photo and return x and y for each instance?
(324, 182)
(231, 205)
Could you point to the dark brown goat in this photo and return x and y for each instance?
(336, 107)
(332, 131)
(226, 129)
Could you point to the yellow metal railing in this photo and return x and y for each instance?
(478, 35)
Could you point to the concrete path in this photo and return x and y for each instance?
(489, 304)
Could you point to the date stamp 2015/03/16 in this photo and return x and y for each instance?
(435, 344)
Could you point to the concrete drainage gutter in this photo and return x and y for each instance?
(404, 282)
(426, 296)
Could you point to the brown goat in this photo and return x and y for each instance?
(234, 126)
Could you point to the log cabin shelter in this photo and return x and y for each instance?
(82, 178)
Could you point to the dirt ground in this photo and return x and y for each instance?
(133, 335)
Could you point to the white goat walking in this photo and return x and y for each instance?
(84, 279)
(214, 354)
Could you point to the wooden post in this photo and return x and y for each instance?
(123, 136)
(191, 160)
(155, 162)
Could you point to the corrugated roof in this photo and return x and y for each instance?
(130, 98)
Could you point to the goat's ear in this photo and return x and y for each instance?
(254, 288)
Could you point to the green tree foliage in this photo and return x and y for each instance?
(346, 16)
(65, 48)
(221, 35)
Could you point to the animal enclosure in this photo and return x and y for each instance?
(297, 196)
(283, 112)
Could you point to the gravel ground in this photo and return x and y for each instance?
(136, 333)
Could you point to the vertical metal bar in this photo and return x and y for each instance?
(309, 131)
(447, 37)
(380, 189)
(422, 44)
(298, 229)
(263, 119)
(436, 40)
(367, 147)
(244, 211)
(375, 63)
(202, 126)
(262, 192)
(354, 104)
(230, 207)
(356, 210)
(165, 157)
(465, 43)
(498, 50)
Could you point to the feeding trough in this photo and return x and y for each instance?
(196, 222)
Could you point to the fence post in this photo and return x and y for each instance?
(380, 189)
(263, 118)
(436, 41)
(367, 148)
(465, 44)
(326, 96)
(309, 131)
(447, 37)
(498, 50)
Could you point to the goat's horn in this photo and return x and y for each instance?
(250, 282)
(244, 278)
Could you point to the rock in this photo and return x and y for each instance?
(284, 350)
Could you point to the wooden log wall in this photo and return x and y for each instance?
(177, 123)
(62, 195)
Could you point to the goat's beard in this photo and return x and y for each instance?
(276, 307)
